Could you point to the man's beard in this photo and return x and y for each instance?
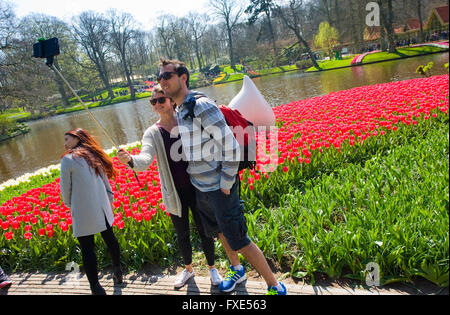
(175, 93)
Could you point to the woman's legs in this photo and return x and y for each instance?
(207, 242)
(89, 258)
(112, 244)
(181, 226)
(87, 245)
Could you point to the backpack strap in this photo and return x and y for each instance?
(190, 104)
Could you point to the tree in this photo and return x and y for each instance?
(36, 26)
(291, 18)
(197, 26)
(387, 15)
(419, 11)
(256, 8)
(122, 33)
(91, 31)
(23, 81)
(231, 12)
(327, 38)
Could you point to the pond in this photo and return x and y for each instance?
(126, 122)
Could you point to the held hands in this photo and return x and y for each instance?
(226, 191)
(123, 156)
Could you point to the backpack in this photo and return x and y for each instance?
(235, 120)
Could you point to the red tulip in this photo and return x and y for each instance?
(5, 225)
(9, 235)
(28, 236)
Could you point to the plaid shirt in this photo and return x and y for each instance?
(208, 145)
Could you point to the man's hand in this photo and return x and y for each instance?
(226, 191)
(123, 156)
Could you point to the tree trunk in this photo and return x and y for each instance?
(230, 47)
(128, 76)
(419, 9)
(386, 19)
(272, 37)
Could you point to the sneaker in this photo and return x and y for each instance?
(216, 279)
(4, 280)
(5, 283)
(232, 277)
(183, 278)
(275, 291)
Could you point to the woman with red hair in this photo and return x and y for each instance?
(85, 188)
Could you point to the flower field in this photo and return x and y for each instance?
(362, 177)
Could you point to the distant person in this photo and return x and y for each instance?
(4, 279)
(178, 192)
(213, 175)
(85, 169)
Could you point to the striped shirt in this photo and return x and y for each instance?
(208, 145)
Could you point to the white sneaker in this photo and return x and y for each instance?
(183, 278)
(216, 279)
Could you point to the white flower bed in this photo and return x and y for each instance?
(25, 178)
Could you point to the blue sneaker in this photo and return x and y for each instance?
(274, 291)
(232, 277)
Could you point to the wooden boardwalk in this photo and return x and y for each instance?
(142, 284)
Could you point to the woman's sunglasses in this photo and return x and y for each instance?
(166, 76)
(160, 100)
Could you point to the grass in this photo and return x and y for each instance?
(380, 56)
(401, 53)
(332, 64)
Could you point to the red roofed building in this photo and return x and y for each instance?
(438, 20)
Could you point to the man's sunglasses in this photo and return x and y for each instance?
(166, 76)
(160, 100)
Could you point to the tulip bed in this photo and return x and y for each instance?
(362, 177)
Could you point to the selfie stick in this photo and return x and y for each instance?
(51, 65)
(85, 107)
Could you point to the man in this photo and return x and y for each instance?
(213, 170)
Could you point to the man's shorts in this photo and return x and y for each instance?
(223, 214)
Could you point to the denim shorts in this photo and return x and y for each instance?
(223, 214)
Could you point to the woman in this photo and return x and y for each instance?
(177, 191)
(85, 169)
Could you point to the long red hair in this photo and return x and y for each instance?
(89, 149)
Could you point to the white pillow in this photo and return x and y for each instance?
(252, 105)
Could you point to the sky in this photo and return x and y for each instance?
(144, 12)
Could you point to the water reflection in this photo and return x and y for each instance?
(127, 122)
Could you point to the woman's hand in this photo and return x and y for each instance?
(123, 156)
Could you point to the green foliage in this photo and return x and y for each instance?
(385, 201)
(327, 38)
(425, 70)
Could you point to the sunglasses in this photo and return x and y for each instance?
(166, 76)
(160, 100)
